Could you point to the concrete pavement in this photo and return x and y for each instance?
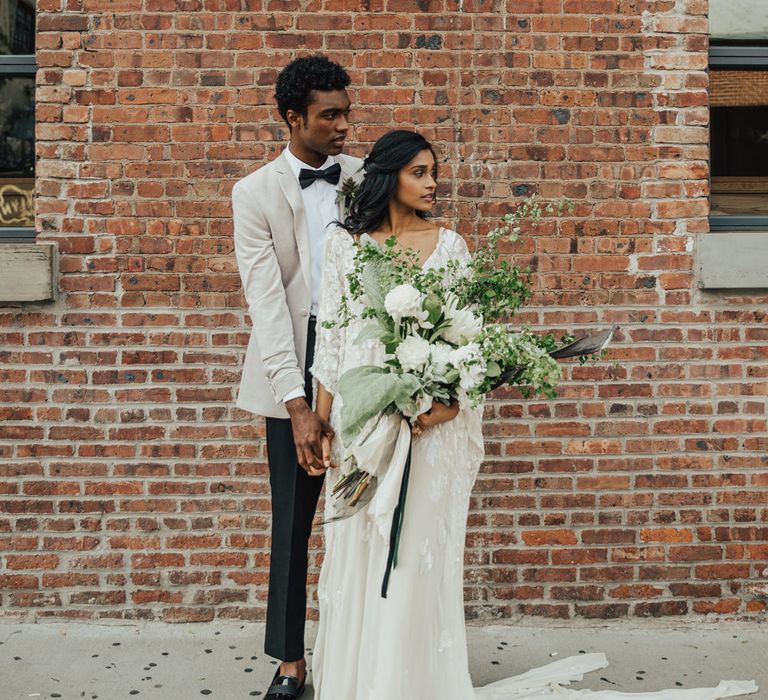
(226, 661)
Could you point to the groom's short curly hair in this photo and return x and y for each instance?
(300, 77)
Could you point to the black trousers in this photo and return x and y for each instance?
(294, 501)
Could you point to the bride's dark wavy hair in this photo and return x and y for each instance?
(390, 154)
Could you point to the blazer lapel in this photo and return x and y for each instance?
(290, 187)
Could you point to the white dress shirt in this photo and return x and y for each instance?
(321, 210)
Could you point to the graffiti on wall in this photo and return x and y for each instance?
(16, 205)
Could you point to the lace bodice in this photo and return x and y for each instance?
(333, 355)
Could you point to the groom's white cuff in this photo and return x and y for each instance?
(295, 394)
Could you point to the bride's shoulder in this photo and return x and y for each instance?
(453, 241)
(339, 237)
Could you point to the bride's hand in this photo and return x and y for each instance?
(439, 413)
(326, 442)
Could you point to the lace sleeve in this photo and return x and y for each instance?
(329, 345)
(456, 249)
(459, 249)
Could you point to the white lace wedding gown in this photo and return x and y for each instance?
(412, 644)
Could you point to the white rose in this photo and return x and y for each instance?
(442, 355)
(472, 367)
(413, 353)
(464, 325)
(404, 301)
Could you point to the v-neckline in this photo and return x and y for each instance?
(423, 265)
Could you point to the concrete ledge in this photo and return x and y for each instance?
(736, 260)
(27, 272)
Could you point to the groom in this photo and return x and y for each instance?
(281, 213)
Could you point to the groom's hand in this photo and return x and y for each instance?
(308, 433)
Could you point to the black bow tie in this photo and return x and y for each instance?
(331, 174)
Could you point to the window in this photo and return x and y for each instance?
(738, 61)
(17, 119)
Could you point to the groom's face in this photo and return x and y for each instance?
(325, 128)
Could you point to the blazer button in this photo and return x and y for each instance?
(304, 312)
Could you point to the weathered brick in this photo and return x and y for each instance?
(642, 480)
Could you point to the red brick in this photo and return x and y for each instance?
(31, 561)
(635, 480)
(635, 591)
(666, 535)
(661, 608)
(549, 537)
(188, 615)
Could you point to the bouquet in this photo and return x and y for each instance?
(445, 336)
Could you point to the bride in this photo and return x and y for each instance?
(411, 644)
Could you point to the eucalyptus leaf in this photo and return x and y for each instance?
(370, 332)
(493, 369)
(452, 376)
(365, 391)
(438, 329)
(407, 386)
(374, 277)
(434, 307)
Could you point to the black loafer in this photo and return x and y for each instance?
(285, 687)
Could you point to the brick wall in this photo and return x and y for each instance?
(132, 488)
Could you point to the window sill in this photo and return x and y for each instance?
(27, 272)
(733, 260)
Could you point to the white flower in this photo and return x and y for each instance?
(472, 367)
(404, 301)
(413, 353)
(464, 325)
(442, 356)
(464, 400)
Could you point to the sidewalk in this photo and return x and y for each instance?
(226, 661)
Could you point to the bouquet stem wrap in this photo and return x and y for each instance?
(387, 452)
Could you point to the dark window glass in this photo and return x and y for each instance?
(17, 151)
(739, 140)
(24, 30)
(17, 27)
(17, 118)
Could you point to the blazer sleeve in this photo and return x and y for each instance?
(265, 294)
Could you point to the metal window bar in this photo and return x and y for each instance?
(738, 56)
(17, 235)
(17, 65)
(740, 223)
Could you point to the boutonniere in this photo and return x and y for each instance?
(347, 192)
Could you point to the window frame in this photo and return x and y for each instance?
(740, 56)
(18, 65)
(731, 55)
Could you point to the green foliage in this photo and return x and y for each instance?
(489, 285)
(496, 287)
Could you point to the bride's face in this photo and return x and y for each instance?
(416, 182)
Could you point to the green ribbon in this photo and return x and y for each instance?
(397, 525)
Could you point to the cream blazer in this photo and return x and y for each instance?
(273, 256)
